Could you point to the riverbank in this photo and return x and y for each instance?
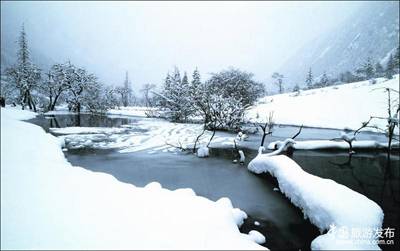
(49, 204)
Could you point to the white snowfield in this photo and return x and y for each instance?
(145, 135)
(343, 106)
(130, 111)
(327, 144)
(87, 130)
(324, 202)
(48, 204)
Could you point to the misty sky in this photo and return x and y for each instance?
(147, 38)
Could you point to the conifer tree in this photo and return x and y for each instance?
(324, 80)
(379, 71)
(397, 58)
(296, 88)
(369, 68)
(25, 75)
(310, 79)
(390, 67)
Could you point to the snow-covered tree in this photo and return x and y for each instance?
(296, 88)
(379, 71)
(110, 99)
(278, 81)
(147, 96)
(324, 80)
(237, 84)
(175, 99)
(397, 58)
(389, 71)
(93, 97)
(195, 84)
(23, 74)
(369, 68)
(79, 80)
(310, 79)
(126, 91)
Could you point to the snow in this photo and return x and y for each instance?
(323, 201)
(203, 151)
(328, 144)
(48, 204)
(144, 135)
(87, 130)
(130, 111)
(242, 157)
(257, 223)
(331, 107)
(257, 237)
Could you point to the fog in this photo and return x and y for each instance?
(148, 38)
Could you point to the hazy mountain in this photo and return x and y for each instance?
(372, 31)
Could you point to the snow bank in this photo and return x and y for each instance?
(328, 144)
(48, 204)
(331, 107)
(323, 201)
(87, 130)
(129, 111)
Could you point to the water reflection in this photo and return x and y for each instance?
(79, 120)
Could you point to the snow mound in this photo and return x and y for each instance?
(324, 202)
(328, 144)
(48, 204)
(256, 237)
(203, 151)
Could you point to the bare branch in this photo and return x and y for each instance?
(297, 134)
(212, 136)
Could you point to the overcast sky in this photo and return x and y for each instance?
(147, 38)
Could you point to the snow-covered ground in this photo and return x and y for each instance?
(327, 144)
(343, 106)
(327, 204)
(151, 135)
(130, 111)
(48, 204)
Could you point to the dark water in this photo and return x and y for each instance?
(215, 177)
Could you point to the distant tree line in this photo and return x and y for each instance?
(29, 86)
(220, 101)
(365, 71)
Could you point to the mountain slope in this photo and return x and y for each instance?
(372, 31)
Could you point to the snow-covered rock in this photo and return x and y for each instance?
(203, 151)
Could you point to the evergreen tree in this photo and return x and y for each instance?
(126, 91)
(296, 88)
(369, 68)
(24, 75)
(324, 80)
(379, 71)
(397, 58)
(175, 97)
(195, 85)
(310, 79)
(390, 68)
